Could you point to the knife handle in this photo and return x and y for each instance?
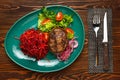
(106, 57)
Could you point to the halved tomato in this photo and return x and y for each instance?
(45, 21)
(69, 30)
(46, 35)
(59, 16)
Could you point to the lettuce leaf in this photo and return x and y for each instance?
(48, 13)
(47, 27)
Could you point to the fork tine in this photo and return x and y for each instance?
(99, 18)
(94, 19)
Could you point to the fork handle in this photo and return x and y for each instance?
(106, 56)
(96, 56)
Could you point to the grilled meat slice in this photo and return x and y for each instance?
(57, 40)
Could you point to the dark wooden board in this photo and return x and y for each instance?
(11, 10)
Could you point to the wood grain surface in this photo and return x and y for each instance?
(12, 10)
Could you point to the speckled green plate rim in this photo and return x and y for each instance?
(50, 70)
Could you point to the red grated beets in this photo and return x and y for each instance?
(34, 44)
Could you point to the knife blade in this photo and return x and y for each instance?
(105, 43)
(105, 32)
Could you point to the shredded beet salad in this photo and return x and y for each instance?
(34, 44)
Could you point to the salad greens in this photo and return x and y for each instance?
(52, 23)
(65, 22)
(48, 13)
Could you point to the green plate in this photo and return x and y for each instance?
(30, 21)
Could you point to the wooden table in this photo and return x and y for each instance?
(11, 10)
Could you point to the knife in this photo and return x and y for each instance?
(105, 44)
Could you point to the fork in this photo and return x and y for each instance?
(96, 26)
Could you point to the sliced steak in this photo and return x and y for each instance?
(57, 40)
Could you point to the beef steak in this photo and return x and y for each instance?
(57, 40)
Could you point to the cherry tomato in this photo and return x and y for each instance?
(68, 30)
(45, 21)
(59, 16)
(46, 35)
